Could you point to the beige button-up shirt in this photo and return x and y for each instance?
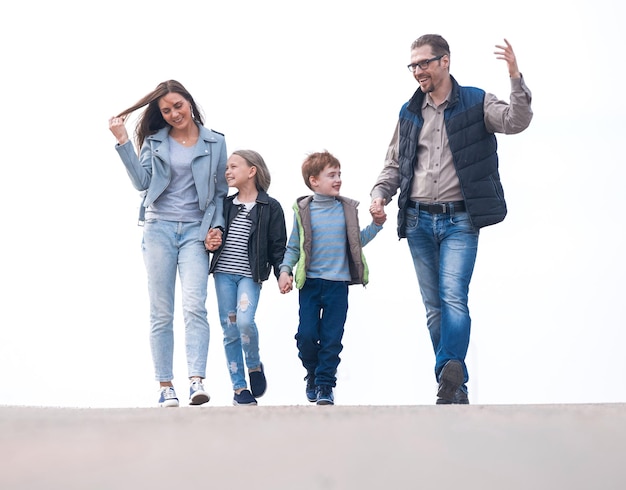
(435, 176)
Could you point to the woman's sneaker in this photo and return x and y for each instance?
(167, 397)
(244, 398)
(197, 394)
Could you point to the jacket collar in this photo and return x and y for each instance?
(262, 198)
(160, 145)
(161, 135)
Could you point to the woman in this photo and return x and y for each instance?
(180, 168)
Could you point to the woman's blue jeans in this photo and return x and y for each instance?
(170, 247)
(444, 249)
(323, 313)
(237, 299)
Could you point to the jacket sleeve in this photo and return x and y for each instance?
(139, 169)
(221, 190)
(277, 237)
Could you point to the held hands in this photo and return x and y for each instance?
(213, 239)
(506, 53)
(116, 125)
(285, 282)
(377, 210)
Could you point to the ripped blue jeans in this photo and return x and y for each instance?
(237, 299)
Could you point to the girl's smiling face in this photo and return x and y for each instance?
(238, 172)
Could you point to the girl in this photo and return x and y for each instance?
(254, 241)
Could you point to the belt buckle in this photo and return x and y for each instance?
(437, 208)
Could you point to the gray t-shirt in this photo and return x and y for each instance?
(179, 201)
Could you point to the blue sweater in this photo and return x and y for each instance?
(329, 249)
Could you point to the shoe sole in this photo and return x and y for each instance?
(252, 404)
(169, 404)
(456, 401)
(199, 399)
(450, 379)
(325, 402)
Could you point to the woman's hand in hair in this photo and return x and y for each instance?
(117, 127)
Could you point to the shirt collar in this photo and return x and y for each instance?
(428, 101)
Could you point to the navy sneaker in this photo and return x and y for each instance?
(197, 394)
(450, 380)
(258, 383)
(311, 389)
(244, 398)
(325, 395)
(167, 397)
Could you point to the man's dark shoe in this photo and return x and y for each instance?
(258, 383)
(450, 380)
(461, 398)
(311, 389)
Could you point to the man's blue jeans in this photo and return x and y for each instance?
(170, 247)
(443, 248)
(323, 313)
(238, 298)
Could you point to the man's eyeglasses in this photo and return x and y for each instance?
(423, 64)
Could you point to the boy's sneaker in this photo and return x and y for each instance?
(325, 395)
(244, 398)
(167, 397)
(311, 389)
(258, 383)
(197, 394)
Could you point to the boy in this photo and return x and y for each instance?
(326, 245)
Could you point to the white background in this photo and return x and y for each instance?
(284, 78)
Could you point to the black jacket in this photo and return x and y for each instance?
(268, 235)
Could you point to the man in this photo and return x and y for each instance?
(443, 159)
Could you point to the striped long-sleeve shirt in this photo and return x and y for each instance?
(234, 256)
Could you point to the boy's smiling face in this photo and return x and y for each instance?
(328, 182)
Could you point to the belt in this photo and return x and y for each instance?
(439, 208)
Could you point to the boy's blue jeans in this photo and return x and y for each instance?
(170, 247)
(444, 249)
(323, 312)
(238, 298)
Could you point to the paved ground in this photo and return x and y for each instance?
(309, 447)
